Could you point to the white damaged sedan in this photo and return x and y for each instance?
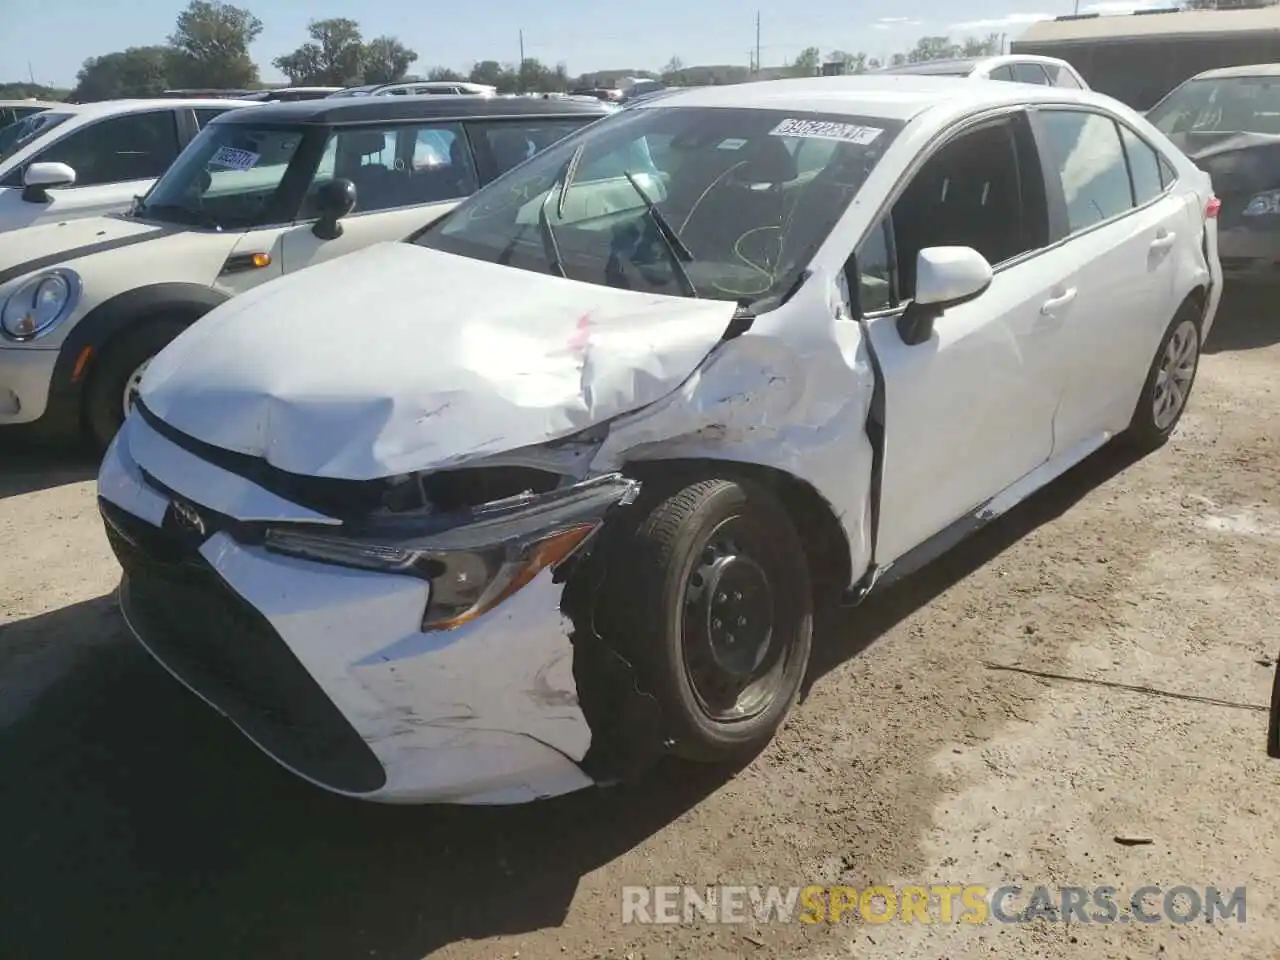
(552, 488)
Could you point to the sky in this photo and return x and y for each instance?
(585, 36)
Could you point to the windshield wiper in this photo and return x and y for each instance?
(675, 247)
(177, 213)
(549, 244)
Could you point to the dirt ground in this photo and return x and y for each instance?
(1096, 664)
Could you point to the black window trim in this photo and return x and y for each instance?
(1008, 115)
(1053, 184)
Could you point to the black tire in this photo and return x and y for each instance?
(1146, 430)
(103, 401)
(658, 584)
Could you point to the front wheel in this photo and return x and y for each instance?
(709, 599)
(113, 386)
(1168, 385)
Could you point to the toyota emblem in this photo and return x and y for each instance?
(188, 517)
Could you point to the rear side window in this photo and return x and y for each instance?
(1030, 73)
(507, 143)
(1002, 73)
(1064, 77)
(1167, 173)
(1091, 166)
(205, 115)
(1144, 166)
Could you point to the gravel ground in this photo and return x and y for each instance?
(1094, 665)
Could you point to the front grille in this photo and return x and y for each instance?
(222, 647)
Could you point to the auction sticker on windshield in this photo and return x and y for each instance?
(234, 159)
(827, 130)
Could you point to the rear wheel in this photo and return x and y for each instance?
(1169, 381)
(113, 386)
(709, 599)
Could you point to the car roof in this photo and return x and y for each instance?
(426, 107)
(1248, 70)
(105, 108)
(31, 103)
(928, 67)
(890, 96)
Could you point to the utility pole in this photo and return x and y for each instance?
(757, 41)
(520, 65)
(31, 73)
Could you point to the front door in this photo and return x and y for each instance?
(970, 411)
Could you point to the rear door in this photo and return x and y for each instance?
(1121, 220)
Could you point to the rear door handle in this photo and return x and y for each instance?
(1164, 240)
(1053, 303)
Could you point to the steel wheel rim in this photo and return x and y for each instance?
(1174, 375)
(733, 652)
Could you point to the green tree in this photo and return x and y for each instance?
(853, 62)
(494, 74)
(386, 60)
(211, 46)
(334, 55)
(992, 45)
(933, 48)
(136, 72)
(444, 73)
(807, 63)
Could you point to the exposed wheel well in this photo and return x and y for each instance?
(1198, 298)
(824, 538)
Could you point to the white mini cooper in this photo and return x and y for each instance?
(261, 192)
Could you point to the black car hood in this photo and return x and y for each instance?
(1239, 163)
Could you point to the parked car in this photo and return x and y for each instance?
(290, 94)
(258, 194)
(418, 88)
(86, 160)
(555, 488)
(1228, 122)
(11, 111)
(1013, 68)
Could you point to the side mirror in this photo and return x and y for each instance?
(945, 277)
(39, 178)
(334, 200)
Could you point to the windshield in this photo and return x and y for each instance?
(21, 132)
(1217, 106)
(746, 195)
(228, 177)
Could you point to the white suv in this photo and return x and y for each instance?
(1018, 68)
(86, 160)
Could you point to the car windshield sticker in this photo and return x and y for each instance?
(234, 159)
(733, 143)
(827, 130)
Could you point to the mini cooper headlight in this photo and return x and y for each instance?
(39, 304)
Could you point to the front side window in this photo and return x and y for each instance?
(229, 177)
(1064, 78)
(1206, 109)
(21, 132)
(397, 166)
(508, 143)
(980, 190)
(1091, 166)
(135, 146)
(1004, 73)
(738, 209)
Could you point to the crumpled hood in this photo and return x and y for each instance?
(68, 240)
(398, 358)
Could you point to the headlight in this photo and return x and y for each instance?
(475, 564)
(1264, 205)
(39, 304)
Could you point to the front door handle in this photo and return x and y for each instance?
(1164, 240)
(1061, 300)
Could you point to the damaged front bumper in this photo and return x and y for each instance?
(398, 665)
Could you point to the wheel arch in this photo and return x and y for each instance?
(824, 538)
(184, 303)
